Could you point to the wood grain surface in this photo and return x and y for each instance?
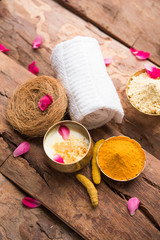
(63, 195)
(20, 22)
(135, 23)
(45, 17)
(20, 223)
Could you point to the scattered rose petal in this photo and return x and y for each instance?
(32, 68)
(37, 42)
(107, 61)
(141, 55)
(31, 202)
(58, 158)
(152, 71)
(44, 102)
(133, 204)
(21, 149)
(133, 51)
(3, 49)
(64, 132)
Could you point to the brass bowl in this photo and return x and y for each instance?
(75, 166)
(128, 83)
(114, 179)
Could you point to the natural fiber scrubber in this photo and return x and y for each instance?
(23, 112)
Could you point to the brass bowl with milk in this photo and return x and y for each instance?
(52, 138)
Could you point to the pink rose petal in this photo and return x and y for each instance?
(133, 204)
(58, 158)
(3, 49)
(44, 102)
(152, 71)
(133, 51)
(142, 55)
(21, 149)
(37, 42)
(31, 202)
(32, 68)
(107, 61)
(64, 132)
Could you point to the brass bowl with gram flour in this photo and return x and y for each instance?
(143, 93)
(68, 146)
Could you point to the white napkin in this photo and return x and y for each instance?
(79, 65)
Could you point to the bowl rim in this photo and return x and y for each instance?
(69, 122)
(118, 180)
(127, 86)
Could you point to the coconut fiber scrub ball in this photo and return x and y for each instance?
(23, 112)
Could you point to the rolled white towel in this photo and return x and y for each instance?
(79, 65)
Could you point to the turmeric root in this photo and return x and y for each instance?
(96, 174)
(92, 191)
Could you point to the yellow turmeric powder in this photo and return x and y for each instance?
(92, 191)
(121, 158)
(96, 174)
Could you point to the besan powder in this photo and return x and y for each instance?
(144, 93)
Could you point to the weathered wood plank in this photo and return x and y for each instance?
(20, 223)
(152, 167)
(134, 23)
(66, 198)
(23, 27)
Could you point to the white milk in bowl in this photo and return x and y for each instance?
(72, 149)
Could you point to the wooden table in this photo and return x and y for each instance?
(116, 25)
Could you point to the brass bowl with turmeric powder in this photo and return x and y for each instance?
(121, 158)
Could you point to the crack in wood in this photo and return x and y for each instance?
(8, 141)
(150, 217)
(120, 194)
(42, 230)
(23, 38)
(61, 219)
(5, 160)
(151, 183)
(114, 18)
(142, 208)
(37, 171)
(123, 196)
(3, 94)
(6, 75)
(138, 130)
(66, 5)
(81, 15)
(136, 40)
